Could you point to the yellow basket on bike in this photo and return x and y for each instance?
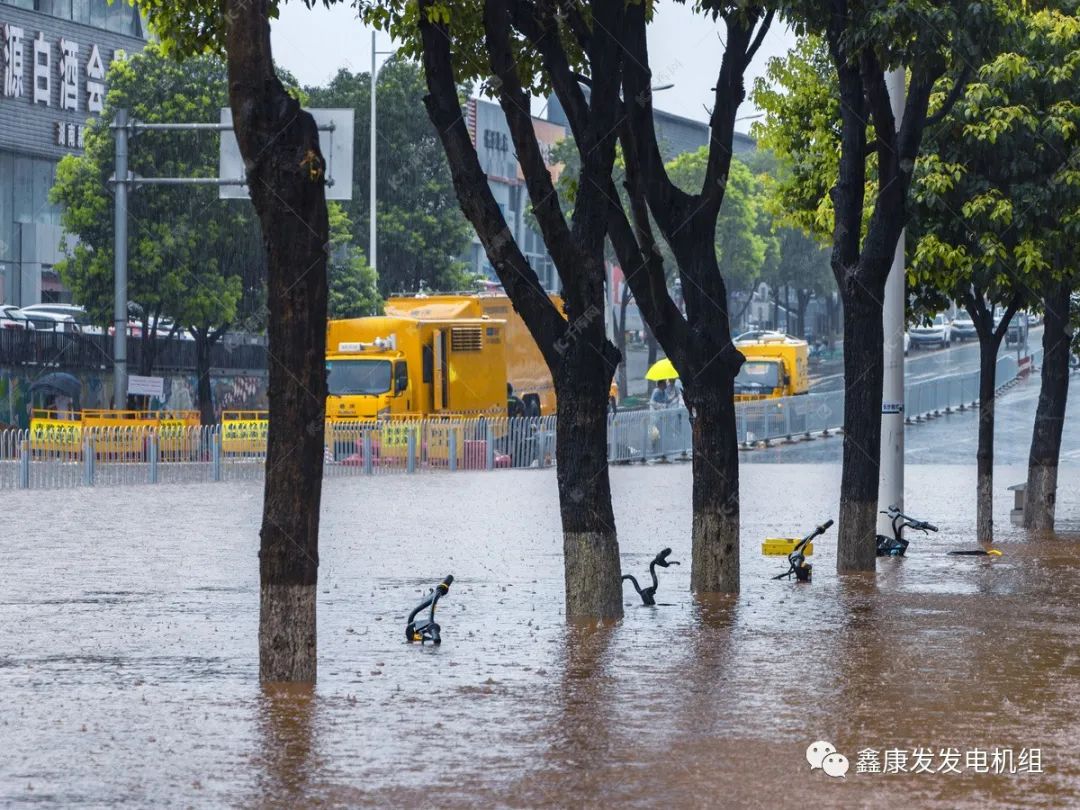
(782, 546)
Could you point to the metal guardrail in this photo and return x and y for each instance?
(146, 455)
(39, 348)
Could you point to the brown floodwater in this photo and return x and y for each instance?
(128, 671)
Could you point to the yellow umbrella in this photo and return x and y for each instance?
(662, 370)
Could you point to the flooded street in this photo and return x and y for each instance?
(129, 670)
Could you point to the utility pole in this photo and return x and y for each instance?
(891, 485)
(372, 246)
(372, 157)
(120, 260)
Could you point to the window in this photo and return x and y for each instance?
(757, 375)
(23, 189)
(348, 377)
(57, 8)
(7, 227)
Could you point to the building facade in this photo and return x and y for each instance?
(54, 55)
(675, 134)
(495, 149)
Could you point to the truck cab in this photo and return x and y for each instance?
(405, 366)
(776, 366)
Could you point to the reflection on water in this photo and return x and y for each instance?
(128, 672)
(285, 766)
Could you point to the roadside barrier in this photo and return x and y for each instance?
(113, 455)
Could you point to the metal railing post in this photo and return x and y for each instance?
(645, 437)
(153, 451)
(24, 464)
(369, 462)
(451, 449)
(215, 453)
(489, 446)
(410, 449)
(88, 461)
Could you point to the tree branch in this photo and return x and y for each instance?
(515, 106)
(763, 29)
(951, 99)
(664, 197)
(478, 203)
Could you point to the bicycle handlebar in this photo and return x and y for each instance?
(661, 559)
(914, 523)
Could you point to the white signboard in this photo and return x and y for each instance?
(335, 144)
(146, 386)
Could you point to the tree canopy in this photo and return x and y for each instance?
(421, 230)
(188, 251)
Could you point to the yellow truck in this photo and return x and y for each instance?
(776, 366)
(525, 368)
(396, 365)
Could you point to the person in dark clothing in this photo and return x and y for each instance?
(514, 406)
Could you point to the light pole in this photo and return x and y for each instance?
(372, 243)
(891, 483)
(120, 253)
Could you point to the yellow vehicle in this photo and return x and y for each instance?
(415, 366)
(776, 366)
(525, 366)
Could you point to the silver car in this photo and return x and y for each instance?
(937, 333)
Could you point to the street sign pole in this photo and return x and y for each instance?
(372, 242)
(120, 261)
(891, 484)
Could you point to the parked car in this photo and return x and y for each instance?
(54, 322)
(963, 328)
(11, 317)
(937, 333)
(73, 311)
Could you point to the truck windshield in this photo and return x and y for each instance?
(757, 375)
(348, 377)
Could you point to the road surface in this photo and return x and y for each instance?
(927, 364)
(953, 438)
(920, 364)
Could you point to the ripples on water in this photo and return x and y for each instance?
(128, 629)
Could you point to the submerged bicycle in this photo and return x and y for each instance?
(896, 545)
(424, 630)
(797, 564)
(648, 595)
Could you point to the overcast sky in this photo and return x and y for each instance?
(684, 49)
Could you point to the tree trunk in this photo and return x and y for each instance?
(715, 529)
(203, 345)
(624, 381)
(804, 297)
(984, 456)
(864, 336)
(590, 546)
(1041, 494)
(285, 170)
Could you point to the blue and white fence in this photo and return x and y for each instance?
(141, 455)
